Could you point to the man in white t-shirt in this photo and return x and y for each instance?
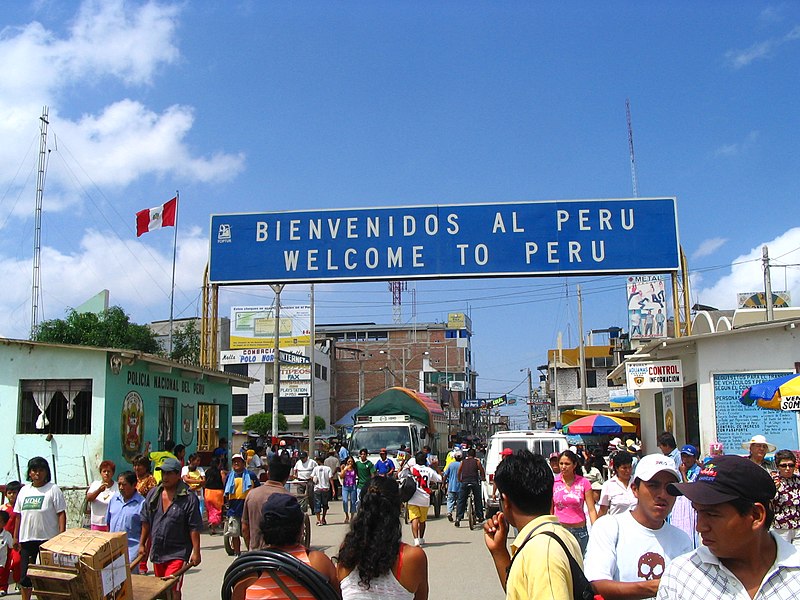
(321, 475)
(628, 552)
(421, 500)
(302, 472)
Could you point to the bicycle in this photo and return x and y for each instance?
(472, 518)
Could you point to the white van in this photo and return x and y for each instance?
(539, 442)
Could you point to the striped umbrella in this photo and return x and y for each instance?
(599, 425)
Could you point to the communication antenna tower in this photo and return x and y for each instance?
(37, 229)
(634, 178)
(397, 288)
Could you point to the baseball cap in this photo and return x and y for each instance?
(383, 451)
(506, 452)
(282, 506)
(235, 456)
(303, 455)
(458, 454)
(282, 443)
(652, 464)
(726, 478)
(690, 450)
(170, 465)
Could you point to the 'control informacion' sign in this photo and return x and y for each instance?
(563, 237)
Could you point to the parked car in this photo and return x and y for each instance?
(539, 442)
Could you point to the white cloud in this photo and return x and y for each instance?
(122, 141)
(137, 276)
(708, 247)
(738, 148)
(738, 59)
(746, 274)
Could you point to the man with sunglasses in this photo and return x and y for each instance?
(786, 503)
(740, 557)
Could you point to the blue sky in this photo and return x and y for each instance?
(255, 106)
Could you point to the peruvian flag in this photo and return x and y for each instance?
(156, 218)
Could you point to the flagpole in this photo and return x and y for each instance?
(174, 255)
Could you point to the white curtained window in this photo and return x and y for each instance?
(42, 399)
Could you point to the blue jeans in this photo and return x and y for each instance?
(349, 499)
(475, 488)
(452, 499)
(582, 535)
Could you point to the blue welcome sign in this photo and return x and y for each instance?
(563, 237)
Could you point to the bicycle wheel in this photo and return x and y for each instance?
(473, 519)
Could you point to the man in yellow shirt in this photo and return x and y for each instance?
(537, 567)
(159, 456)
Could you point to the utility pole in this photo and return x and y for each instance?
(767, 283)
(276, 365)
(581, 350)
(312, 413)
(530, 400)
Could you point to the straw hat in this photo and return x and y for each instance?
(759, 439)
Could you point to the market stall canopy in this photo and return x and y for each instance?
(403, 401)
(623, 401)
(599, 425)
(769, 394)
(348, 419)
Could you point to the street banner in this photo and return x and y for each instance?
(553, 237)
(263, 355)
(654, 375)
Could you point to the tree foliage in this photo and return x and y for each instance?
(319, 423)
(186, 344)
(110, 329)
(261, 423)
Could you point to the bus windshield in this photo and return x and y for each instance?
(375, 438)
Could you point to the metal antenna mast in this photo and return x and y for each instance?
(37, 235)
(397, 288)
(634, 178)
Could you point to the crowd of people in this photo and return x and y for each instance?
(669, 525)
(621, 525)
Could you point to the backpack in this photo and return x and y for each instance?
(581, 587)
(407, 487)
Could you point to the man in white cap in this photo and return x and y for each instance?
(628, 552)
(758, 446)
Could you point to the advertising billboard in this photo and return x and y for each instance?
(254, 326)
(555, 237)
(647, 307)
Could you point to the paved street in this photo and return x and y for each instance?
(460, 566)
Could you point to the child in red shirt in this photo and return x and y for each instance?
(12, 563)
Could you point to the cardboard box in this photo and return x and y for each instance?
(99, 559)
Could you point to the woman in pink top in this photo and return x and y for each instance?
(571, 492)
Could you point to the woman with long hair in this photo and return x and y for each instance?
(349, 494)
(616, 496)
(571, 493)
(215, 494)
(42, 512)
(373, 562)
